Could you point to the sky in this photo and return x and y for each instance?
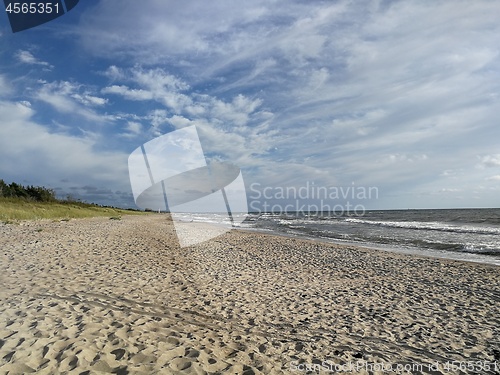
(401, 96)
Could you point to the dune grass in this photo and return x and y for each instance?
(13, 209)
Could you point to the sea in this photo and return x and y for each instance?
(461, 234)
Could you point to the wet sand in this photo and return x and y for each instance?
(120, 296)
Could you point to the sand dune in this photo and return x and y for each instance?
(103, 296)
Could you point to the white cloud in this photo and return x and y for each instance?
(157, 80)
(158, 117)
(127, 93)
(114, 73)
(27, 57)
(5, 87)
(179, 28)
(30, 151)
(154, 84)
(449, 190)
(406, 158)
(134, 127)
(490, 161)
(90, 100)
(65, 98)
(236, 112)
(179, 121)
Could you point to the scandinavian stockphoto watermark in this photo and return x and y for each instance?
(171, 173)
(311, 199)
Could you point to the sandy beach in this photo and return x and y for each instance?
(95, 296)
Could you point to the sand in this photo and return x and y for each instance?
(97, 296)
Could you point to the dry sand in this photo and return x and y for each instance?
(98, 296)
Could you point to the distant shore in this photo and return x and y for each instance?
(120, 296)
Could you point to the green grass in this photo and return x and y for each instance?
(12, 209)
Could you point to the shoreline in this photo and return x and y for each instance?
(417, 252)
(121, 296)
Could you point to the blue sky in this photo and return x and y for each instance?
(398, 95)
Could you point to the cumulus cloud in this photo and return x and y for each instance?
(161, 87)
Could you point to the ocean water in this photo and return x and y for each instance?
(463, 234)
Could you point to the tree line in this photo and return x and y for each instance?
(35, 193)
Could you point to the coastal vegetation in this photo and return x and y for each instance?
(18, 202)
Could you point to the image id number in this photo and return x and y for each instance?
(32, 8)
